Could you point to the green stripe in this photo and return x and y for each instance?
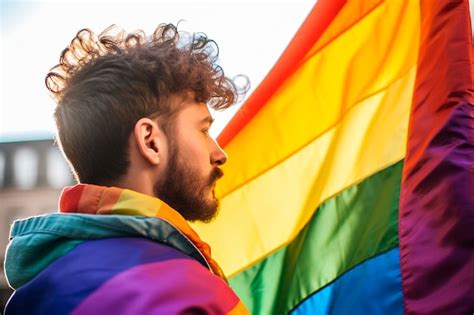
(347, 229)
(25, 262)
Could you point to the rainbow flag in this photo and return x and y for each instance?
(349, 187)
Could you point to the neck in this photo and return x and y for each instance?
(141, 183)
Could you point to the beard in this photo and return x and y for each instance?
(187, 191)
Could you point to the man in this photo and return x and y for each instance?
(132, 117)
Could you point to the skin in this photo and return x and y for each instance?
(180, 168)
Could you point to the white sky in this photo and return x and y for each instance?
(251, 36)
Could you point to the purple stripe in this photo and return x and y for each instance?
(170, 287)
(69, 280)
(437, 196)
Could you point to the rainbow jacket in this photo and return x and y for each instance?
(113, 251)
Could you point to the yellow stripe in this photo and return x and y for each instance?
(340, 118)
(134, 203)
(361, 62)
(269, 211)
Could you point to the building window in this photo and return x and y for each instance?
(25, 168)
(58, 173)
(2, 169)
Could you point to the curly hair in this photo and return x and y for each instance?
(104, 84)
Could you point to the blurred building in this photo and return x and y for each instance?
(32, 174)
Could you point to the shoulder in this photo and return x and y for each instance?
(122, 276)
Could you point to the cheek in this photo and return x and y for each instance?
(194, 150)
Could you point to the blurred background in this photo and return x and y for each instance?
(251, 36)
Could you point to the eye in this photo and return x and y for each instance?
(205, 131)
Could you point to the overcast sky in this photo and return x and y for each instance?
(251, 36)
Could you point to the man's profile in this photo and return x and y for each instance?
(132, 120)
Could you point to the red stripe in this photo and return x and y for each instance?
(436, 214)
(310, 31)
(71, 202)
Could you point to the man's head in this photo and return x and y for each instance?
(132, 112)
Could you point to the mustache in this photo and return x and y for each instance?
(216, 173)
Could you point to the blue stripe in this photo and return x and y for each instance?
(65, 283)
(373, 287)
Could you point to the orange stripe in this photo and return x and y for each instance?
(363, 79)
(172, 216)
(313, 27)
(109, 198)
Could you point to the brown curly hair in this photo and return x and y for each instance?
(104, 84)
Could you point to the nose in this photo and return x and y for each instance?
(218, 156)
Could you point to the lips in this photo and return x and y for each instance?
(216, 173)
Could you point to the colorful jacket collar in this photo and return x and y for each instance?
(38, 241)
(93, 199)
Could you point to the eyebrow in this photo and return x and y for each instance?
(208, 119)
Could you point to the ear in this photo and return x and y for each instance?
(149, 140)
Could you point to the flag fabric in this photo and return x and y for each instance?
(437, 198)
(349, 186)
